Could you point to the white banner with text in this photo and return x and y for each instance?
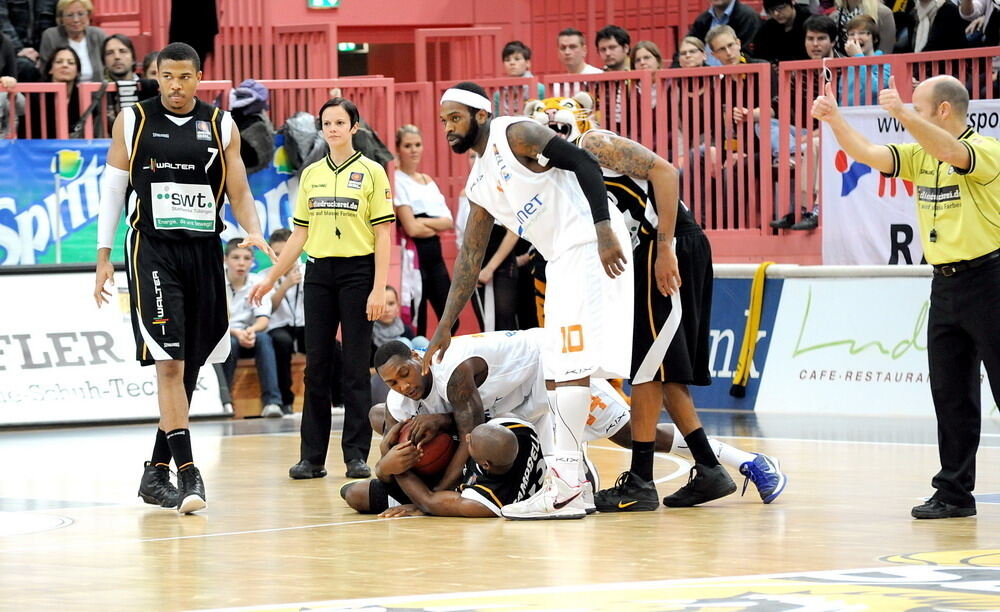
(852, 346)
(869, 219)
(64, 360)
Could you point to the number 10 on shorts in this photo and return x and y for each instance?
(572, 338)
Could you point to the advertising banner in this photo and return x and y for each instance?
(28, 203)
(64, 360)
(730, 299)
(869, 219)
(851, 346)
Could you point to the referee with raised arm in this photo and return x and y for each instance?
(343, 220)
(955, 171)
(174, 158)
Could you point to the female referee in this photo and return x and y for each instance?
(343, 218)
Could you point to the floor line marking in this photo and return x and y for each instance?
(275, 529)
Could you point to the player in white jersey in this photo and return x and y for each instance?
(671, 320)
(552, 194)
(504, 374)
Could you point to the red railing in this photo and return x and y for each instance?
(44, 111)
(473, 53)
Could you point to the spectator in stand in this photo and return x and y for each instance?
(613, 46)
(740, 17)
(691, 53)
(882, 15)
(821, 32)
(63, 67)
(8, 63)
(781, 38)
(939, 26)
(149, 70)
(23, 22)
(727, 48)
(74, 30)
(119, 68)
(862, 41)
(423, 214)
(516, 58)
(646, 55)
(248, 335)
(287, 327)
(573, 52)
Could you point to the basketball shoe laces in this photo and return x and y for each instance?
(764, 479)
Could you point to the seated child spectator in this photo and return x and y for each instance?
(248, 327)
(287, 327)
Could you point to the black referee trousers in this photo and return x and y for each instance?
(963, 331)
(336, 294)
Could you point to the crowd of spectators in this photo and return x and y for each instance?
(53, 41)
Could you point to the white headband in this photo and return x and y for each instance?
(468, 98)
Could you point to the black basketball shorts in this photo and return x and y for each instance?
(681, 357)
(178, 299)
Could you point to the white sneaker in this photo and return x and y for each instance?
(555, 500)
(271, 411)
(586, 499)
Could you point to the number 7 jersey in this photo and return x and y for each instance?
(177, 169)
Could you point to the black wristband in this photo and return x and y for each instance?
(565, 156)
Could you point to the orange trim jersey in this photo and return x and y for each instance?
(341, 205)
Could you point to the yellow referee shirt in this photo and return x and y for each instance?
(961, 207)
(341, 205)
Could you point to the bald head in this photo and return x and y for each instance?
(493, 446)
(946, 88)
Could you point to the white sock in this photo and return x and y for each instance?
(726, 454)
(570, 412)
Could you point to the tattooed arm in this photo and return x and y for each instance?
(532, 142)
(631, 158)
(463, 282)
(463, 395)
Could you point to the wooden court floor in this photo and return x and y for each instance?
(72, 536)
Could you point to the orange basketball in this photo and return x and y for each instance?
(437, 452)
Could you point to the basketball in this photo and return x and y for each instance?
(437, 452)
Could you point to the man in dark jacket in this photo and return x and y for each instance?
(740, 17)
(782, 37)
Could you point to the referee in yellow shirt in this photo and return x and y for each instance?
(956, 172)
(343, 219)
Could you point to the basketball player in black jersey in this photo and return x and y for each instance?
(174, 158)
(667, 355)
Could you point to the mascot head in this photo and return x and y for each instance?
(568, 117)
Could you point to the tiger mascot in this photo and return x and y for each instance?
(569, 117)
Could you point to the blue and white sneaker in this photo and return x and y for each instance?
(766, 476)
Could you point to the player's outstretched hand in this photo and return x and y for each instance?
(258, 241)
(668, 274)
(825, 106)
(258, 291)
(889, 98)
(438, 346)
(400, 458)
(390, 437)
(612, 257)
(426, 426)
(105, 275)
(401, 511)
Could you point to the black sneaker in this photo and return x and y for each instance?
(191, 491)
(630, 494)
(809, 221)
(704, 484)
(356, 468)
(304, 469)
(155, 487)
(785, 222)
(937, 509)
